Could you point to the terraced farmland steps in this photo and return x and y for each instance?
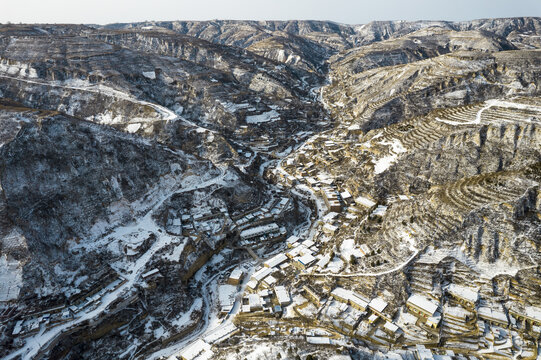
(486, 189)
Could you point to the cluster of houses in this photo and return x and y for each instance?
(208, 223)
(32, 323)
(201, 349)
(259, 224)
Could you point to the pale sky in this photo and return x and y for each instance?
(344, 11)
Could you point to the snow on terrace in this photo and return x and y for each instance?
(500, 267)
(349, 249)
(489, 104)
(272, 115)
(233, 108)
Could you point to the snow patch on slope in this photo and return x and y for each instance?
(272, 115)
(385, 162)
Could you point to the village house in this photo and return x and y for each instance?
(258, 231)
(392, 330)
(527, 315)
(235, 277)
(349, 297)
(493, 315)
(465, 296)
(292, 241)
(261, 274)
(282, 295)
(378, 305)
(254, 300)
(305, 261)
(312, 295)
(421, 306)
(269, 281)
(275, 260)
(330, 229)
(195, 350)
(226, 297)
(330, 196)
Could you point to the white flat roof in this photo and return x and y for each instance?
(261, 274)
(378, 304)
(351, 296)
(276, 260)
(391, 327)
(464, 292)
(254, 300)
(270, 280)
(236, 274)
(324, 261)
(292, 239)
(252, 284)
(364, 201)
(423, 303)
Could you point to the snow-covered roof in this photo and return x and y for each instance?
(380, 210)
(150, 273)
(424, 353)
(236, 274)
(434, 320)
(275, 260)
(491, 313)
(318, 340)
(350, 296)
(341, 293)
(259, 230)
(226, 294)
(252, 284)
(378, 304)
(329, 227)
(364, 201)
(463, 292)
(372, 318)
(255, 301)
(195, 350)
(306, 259)
(270, 280)
(423, 303)
(296, 250)
(261, 274)
(390, 327)
(282, 295)
(221, 333)
(292, 239)
(330, 216)
(324, 261)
